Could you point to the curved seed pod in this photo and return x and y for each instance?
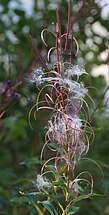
(42, 35)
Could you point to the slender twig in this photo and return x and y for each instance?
(98, 105)
(36, 49)
(78, 15)
(68, 26)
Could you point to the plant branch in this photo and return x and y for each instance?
(97, 106)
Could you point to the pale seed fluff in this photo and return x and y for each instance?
(80, 150)
(77, 89)
(42, 182)
(74, 70)
(64, 128)
(36, 76)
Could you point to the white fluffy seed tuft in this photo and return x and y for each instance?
(42, 182)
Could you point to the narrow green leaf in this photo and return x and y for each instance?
(20, 200)
(38, 196)
(72, 210)
(38, 210)
(49, 207)
(87, 196)
(30, 161)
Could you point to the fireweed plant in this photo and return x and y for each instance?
(69, 132)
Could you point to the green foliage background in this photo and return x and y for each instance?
(19, 145)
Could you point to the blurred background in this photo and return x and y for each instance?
(19, 144)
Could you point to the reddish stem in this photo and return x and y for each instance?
(97, 106)
(57, 54)
(78, 15)
(68, 27)
(36, 49)
(71, 50)
(59, 40)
